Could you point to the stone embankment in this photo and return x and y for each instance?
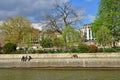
(83, 60)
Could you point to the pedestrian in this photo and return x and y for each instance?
(26, 58)
(23, 58)
(29, 58)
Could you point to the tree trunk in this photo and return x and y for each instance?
(114, 45)
(103, 47)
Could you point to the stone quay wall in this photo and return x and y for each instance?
(66, 60)
(62, 55)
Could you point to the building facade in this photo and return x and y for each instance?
(87, 33)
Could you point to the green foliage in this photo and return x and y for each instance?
(103, 36)
(71, 36)
(109, 50)
(0, 50)
(52, 42)
(117, 48)
(92, 48)
(20, 51)
(9, 48)
(45, 51)
(83, 48)
(16, 30)
(31, 51)
(46, 42)
(109, 16)
(74, 50)
(58, 42)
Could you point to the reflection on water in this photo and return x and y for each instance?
(46, 74)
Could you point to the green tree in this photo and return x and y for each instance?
(9, 48)
(32, 37)
(16, 29)
(46, 42)
(103, 36)
(109, 16)
(71, 36)
(59, 42)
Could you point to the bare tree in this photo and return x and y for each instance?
(63, 15)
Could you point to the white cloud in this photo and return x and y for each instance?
(27, 8)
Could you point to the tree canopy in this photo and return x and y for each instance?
(103, 36)
(71, 36)
(16, 30)
(109, 16)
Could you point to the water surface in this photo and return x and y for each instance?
(57, 74)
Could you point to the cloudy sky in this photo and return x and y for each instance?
(32, 9)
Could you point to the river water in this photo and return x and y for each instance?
(58, 74)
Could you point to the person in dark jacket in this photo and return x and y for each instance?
(29, 58)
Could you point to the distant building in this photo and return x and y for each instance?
(87, 33)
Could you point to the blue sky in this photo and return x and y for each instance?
(91, 9)
(32, 9)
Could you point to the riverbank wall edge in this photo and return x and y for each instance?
(67, 60)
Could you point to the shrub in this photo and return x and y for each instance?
(20, 51)
(31, 50)
(83, 48)
(74, 50)
(40, 51)
(59, 51)
(58, 42)
(110, 50)
(46, 43)
(99, 50)
(117, 49)
(50, 51)
(9, 48)
(0, 50)
(92, 48)
(43, 51)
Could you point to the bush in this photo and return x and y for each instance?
(74, 50)
(43, 51)
(92, 48)
(0, 50)
(31, 51)
(58, 42)
(46, 43)
(83, 48)
(117, 49)
(9, 48)
(50, 51)
(40, 51)
(110, 50)
(99, 50)
(20, 51)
